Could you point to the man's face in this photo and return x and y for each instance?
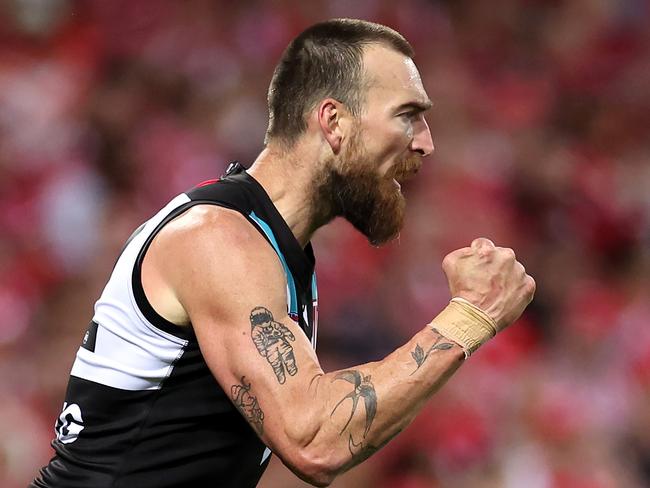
(383, 148)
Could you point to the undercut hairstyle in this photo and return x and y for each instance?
(325, 61)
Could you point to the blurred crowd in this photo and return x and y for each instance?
(541, 114)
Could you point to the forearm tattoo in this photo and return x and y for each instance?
(247, 405)
(272, 340)
(363, 388)
(420, 356)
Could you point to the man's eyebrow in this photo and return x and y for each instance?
(418, 106)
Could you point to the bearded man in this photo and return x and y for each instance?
(180, 380)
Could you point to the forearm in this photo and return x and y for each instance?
(362, 408)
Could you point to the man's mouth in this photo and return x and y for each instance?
(405, 174)
(407, 170)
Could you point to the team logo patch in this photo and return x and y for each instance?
(69, 424)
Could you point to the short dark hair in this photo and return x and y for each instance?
(326, 60)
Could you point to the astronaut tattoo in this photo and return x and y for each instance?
(272, 340)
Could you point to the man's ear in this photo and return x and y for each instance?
(330, 114)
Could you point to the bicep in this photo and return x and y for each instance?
(258, 354)
(275, 372)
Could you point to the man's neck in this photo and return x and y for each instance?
(289, 181)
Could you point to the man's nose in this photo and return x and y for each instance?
(422, 141)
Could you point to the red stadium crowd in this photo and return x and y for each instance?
(540, 120)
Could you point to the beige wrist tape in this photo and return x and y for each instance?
(465, 324)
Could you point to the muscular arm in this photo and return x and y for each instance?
(231, 285)
(371, 403)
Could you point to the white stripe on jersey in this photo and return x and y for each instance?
(130, 352)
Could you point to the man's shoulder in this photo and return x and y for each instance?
(210, 235)
(216, 224)
(212, 259)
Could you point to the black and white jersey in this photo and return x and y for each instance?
(142, 408)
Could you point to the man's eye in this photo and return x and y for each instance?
(410, 115)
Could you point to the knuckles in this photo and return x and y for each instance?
(482, 242)
(530, 286)
(483, 268)
(506, 254)
(503, 261)
(450, 260)
(509, 253)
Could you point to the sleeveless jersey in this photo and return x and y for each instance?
(142, 408)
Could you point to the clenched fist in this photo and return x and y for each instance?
(490, 278)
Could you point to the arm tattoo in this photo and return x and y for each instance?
(363, 451)
(247, 405)
(363, 388)
(420, 356)
(272, 341)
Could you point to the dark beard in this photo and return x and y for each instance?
(370, 202)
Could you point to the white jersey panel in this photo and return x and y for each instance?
(129, 352)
